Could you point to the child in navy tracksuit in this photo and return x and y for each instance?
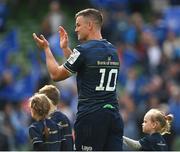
(155, 124)
(45, 134)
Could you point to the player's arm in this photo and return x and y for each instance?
(56, 72)
(64, 42)
(134, 144)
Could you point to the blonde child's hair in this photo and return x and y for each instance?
(163, 120)
(41, 105)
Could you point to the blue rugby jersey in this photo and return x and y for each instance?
(37, 136)
(154, 142)
(97, 66)
(62, 121)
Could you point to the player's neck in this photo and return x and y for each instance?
(95, 36)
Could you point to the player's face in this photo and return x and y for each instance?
(82, 26)
(147, 125)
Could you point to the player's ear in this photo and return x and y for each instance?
(90, 25)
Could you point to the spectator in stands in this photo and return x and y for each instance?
(171, 46)
(3, 14)
(55, 16)
(4, 143)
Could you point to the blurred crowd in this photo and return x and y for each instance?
(149, 51)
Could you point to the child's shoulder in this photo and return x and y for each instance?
(58, 114)
(36, 124)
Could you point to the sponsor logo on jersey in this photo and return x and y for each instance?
(86, 148)
(62, 125)
(73, 57)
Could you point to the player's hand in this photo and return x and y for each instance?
(41, 41)
(63, 37)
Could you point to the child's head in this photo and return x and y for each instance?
(157, 121)
(52, 93)
(40, 106)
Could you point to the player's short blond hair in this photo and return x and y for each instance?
(94, 14)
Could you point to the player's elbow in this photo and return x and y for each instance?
(57, 77)
(60, 74)
(54, 77)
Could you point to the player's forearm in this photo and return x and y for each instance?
(134, 144)
(67, 52)
(51, 63)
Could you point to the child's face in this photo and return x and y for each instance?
(148, 126)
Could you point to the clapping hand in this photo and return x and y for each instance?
(41, 41)
(63, 38)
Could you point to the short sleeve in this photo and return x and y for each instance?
(75, 61)
(35, 134)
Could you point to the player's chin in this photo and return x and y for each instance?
(82, 39)
(79, 37)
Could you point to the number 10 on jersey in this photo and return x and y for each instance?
(106, 85)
